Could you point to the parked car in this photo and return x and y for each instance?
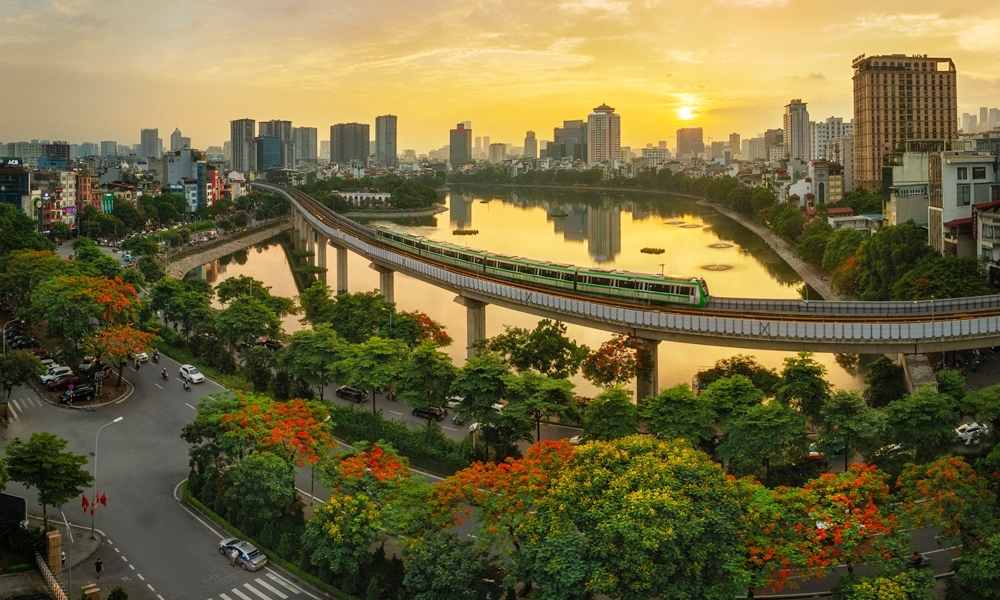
(429, 412)
(22, 344)
(101, 372)
(139, 356)
(54, 372)
(576, 440)
(273, 345)
(190, 373)
(453, 401)
(62, 381)
(352, 393)
(970, 433)
(88, 363)
(80, 393)
(248, 556)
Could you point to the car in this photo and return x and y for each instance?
(970, 433)
(54, 372)
(576, 440)
(453, 401)
(190, 373)
(79, 393)
(88, 363)
(62, 381)
(352, 393)
(429, 412)
(47, 362)
(22, 344)
(248, 556)
(273, 345)
(139, 356)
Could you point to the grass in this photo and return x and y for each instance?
(271, 555)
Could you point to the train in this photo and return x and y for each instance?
(641, 287)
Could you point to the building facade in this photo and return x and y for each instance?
(899, 98)
(796, 131)
(386, 154)
(823, 131)
(242, 147)
(604, 136)
(283, 131)
(268, 153)
(350, 142)
(149, 143)
(498, 153)
(530, 145)
(304, 140)
(460, 147)
(690, 142)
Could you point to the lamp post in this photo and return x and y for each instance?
(661, 268)
(4, 333)
(97, 438)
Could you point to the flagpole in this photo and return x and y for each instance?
(97, 438)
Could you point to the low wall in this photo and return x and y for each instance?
(177, 267)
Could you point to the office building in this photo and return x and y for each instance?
(734, 144)
(178, 142)
(324, 150)
(283, 131)
(530, 145)
(109, 148)
(570, 141)
(690, 142)
(350, 142)
(268, 153)
(498, 153)
(899, 98)
(149, 143)
(385, 141)
(716, 150)
(242, 147)
(478, 150)
(796, 128)
(304, 140)
(823, 131)
(604, 136)
(460, 151)
(15, 184)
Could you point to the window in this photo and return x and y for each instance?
(964, 195)
(981, 193)
(963, 173)
(979, 172)
(569, 276)
(601, 281)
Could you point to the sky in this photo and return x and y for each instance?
(93, 70)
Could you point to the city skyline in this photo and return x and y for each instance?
(716, 64)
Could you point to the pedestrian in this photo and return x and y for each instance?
(233, 553)
(99, 565)
(64, 559)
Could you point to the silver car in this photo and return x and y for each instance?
(247, 555)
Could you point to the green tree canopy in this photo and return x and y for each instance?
(846, 421)
(763, 379)
(377, 363)
(545, 349)
(534, 397)
(732, 395)
(17, 368)
(482, 382)
(887, 256)
(260, 489)
(315, 355)
(942, 277)
(41, 464)
(18, 232)
(442, 566)
(843, 244)
(763, 436)
(886, 382)
(803, 385)
(610, 416)
(247, 317)
(924, 422)
(677, 413)
(426, 377)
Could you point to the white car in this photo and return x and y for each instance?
(55, 372)
(189, 373)
(454, 401)
(139, 356)
(970, 433)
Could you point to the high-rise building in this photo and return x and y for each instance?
(283, 131)
(385, 141)
(570, 141)
(460, 151)
(796, 127)
(984, 118)
(734, 144)
(690, 142)
(242, 147)
(109, 148)
(498, 153)
(716, 150)
(604, 135)
(149, 143)
(178, 142)
(350, 142)
(823, 131)
(304, 140)
(324, 150)
(268, 153)
(899, 98)
(478, 150)
(530, 145)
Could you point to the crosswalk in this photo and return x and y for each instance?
(18, 407)
(268, 587)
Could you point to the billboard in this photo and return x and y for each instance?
(107, 202)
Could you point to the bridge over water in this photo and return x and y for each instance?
(788, 325)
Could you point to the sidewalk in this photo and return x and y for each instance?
(817, 279)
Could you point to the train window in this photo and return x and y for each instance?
(466, 258)
(625, 283)
(602, 281)
(569, 276)
(434, 249)
(687, 290)
(549, 274)
(527, 270)
(507, 266)
(491, 263)
(657, 287)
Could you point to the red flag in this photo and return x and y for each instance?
(86, 503)
(104, 499)
(91, 510)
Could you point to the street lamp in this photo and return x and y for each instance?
(4, 333)
(96, 439)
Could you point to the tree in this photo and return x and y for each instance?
(886, 382)
(161, 294)
(532, 396)
(887, 255)
(847, 422)
(314, 355)
(949, 495)
(617, 361)
(118, 593)
(20, 232)
(377, 363)
(763, 435)
(18, 367)
(677, 413)
(442, 566)
(842, 245)
(73, 307)
(245, 318)
(241, 219)
(984, 404)
(951, 383)
(60, 231)
(4, 476)
(317, 303)
(802, 385)
(244, 286)
(731, 396)
(483, 383)
(908, 585)
(357, 317)
(119, 341)
(763, 379)
(977, 575)
(942, 277)
(637, 518)
(261, 489)
(297, 430)
(190, 308)
(762, 199)
(812, 248)
(340, 532)
(41, 464)
(426, 377)
(545, 349)
(24, 270)
(610, 416)
(258, 366)
(924, 422)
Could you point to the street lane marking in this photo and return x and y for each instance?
(192, 408)
(395, 413)
(109, 542)
(271, 588)
(131, 566)
(123, 558)
(240, 594)
(17, 405)
(151, 588)
(160, 597)
(158, 385)
(281, 579)
(141, 577)
(287, 585)
(448, 428)
(224, 597)
(256, 591)
(941, 550)
(117, 551)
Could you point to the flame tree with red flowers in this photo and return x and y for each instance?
(617, 361)
(948, 494)
(296, 430)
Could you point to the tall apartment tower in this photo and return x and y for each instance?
(796, 126)
(304, 140)
(690, 142)
(385, 141)
(530, 145)
(149, 143)
(178, 142)
(242, 146)
(460, 152)
(283, 131)
(109, 148)
(734, 144)
(604, 135)
(350, 142)
(899, 98)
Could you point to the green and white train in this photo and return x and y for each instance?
(599, 282)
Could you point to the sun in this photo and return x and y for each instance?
(685, 113)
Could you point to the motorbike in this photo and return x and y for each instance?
(164, 374)
(156, 357)
(187, 386)
(918, 561)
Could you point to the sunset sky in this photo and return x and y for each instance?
(92, 70)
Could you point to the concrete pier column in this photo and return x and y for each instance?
(475, 322)
(321, 257)
(311, 236)
(386, 282)
(305, 233)
(341, 268)
(649, 386)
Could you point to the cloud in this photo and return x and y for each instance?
(754, 3)
(611, 7)
(811, 75)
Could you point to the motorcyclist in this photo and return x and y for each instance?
(164, 373)
(186, 384)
